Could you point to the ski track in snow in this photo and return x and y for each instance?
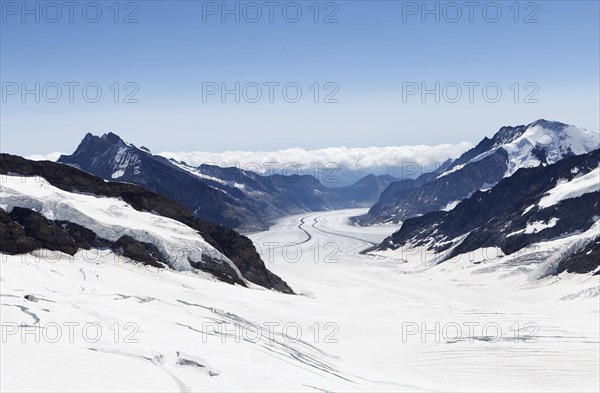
(194, 334)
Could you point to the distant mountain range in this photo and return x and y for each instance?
(333, 166)
(366, 191)
(232, 197)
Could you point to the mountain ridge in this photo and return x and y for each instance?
(227, 196)
(541, 142)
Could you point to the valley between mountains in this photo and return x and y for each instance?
(122, 270)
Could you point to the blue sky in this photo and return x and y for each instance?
(374, 52)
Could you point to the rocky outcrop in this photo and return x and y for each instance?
(146, 253)
(35, 231)
(584, 261)
(46, 233)
(13, 239)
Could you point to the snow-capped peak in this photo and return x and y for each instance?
(546, 142)
(539, 143)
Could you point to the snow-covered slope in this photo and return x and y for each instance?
(110, 218)
(574, 188)
(361, 323)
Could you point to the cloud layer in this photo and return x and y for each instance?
(45, 157)
(340, 165)
(363, 159)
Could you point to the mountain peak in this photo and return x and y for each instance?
(541, 142)
(508, 134)
(549, 125)
(112, 138)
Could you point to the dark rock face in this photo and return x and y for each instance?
(83, 237)
(46, 233)
(239, 249)
(34, 231)
(13, 238)
(146, 253)
(230, 197)
(584, 261)
(222, 271)
(498, 217)
(39, 232)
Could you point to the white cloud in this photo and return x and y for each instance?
(343, 157)
(337, 165)
(45, 157)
